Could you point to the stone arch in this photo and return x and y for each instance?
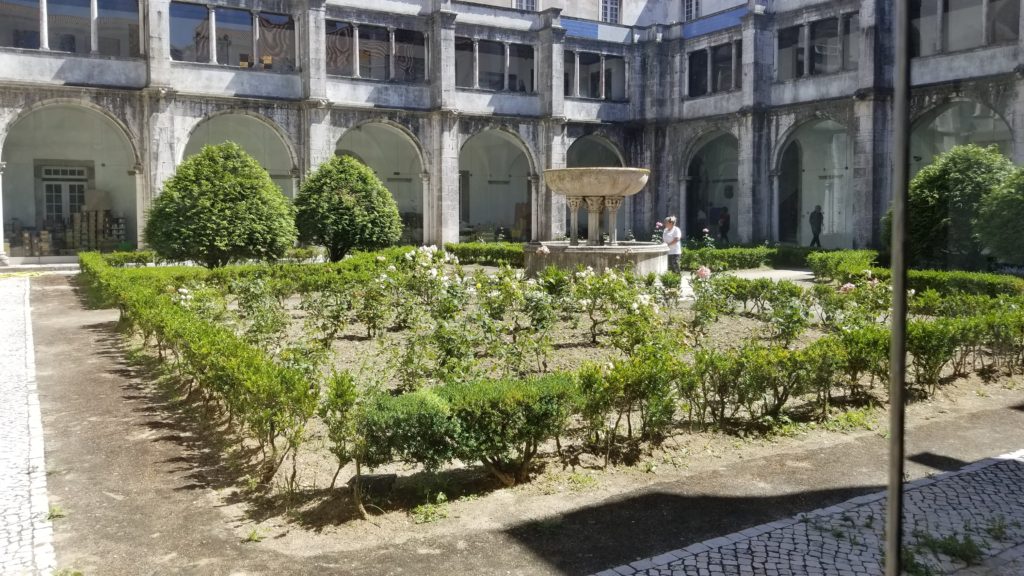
(956, 121)
(802, 119)
(702, 139)
(247, 135)
(497, 185)
(598, 143)
(712, 182)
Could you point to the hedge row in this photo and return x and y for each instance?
(488, 253)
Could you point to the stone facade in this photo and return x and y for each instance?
(652, 115)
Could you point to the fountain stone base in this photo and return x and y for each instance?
(642, 257)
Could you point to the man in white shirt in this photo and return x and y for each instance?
(672, 236)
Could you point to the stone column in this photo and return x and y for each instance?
(44, 27)
(3, 253)
(574, 202)
(508, 51)
(773, 217)
(256, 56)
(313, 59)
(391, 54)
(156, 41)
(211, 33)
(94, 31)
(356, 73)
(442, 61)
(476, 63)
(612, 205)
(602, 92)
(594, 205)
(576, 75)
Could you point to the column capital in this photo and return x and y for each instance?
(574, 202)
(613, 202)
(594, 203)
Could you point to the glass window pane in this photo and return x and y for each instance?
(492, 64)
(118, 26)
(610, 11)
(1003, 21)
(234, 37)
(410, 56)
(569, 72)
(962, 25)
(190, 32)
(19, 23)
(721, 68)
(924, 22)
(339, 48)
(464, 62)
(825, 47)
(698, 73)
(520, 68)
(590, 75)
(791, 53)
(70, 25)
(277, 42)
(615, 78)
(851, 41)
(374, 52)
(530, 5)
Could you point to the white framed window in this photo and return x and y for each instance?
(691, 10)
(63, 193)
(610, 11)
(530, 5)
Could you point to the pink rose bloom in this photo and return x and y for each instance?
(703, 273)
(658, 225)
(847, 288)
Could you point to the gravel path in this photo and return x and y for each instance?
(25, 533)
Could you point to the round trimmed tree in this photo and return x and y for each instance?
(343, 206)
(1000, 224)
(220, 206)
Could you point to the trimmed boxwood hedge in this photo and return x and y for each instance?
(488, 253)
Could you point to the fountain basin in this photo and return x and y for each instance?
(611, 182)
(642, 257)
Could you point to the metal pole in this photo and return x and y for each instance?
(897, 345)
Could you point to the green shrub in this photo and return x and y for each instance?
(488, 253)
(819, 368)
(136, 258)
(841, 265)
(942, 207)
(931, 345)
(413, 428)
(1000, 223)
(502, 423)
(343, 206)
(948, 282)
(712, 394)
(220, 206)
(719, 259)
(865, 352)
(769, 377)
(790, 256)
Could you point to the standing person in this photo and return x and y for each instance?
(817, 219)
(702, 223)
(723, 224)
(672, 236)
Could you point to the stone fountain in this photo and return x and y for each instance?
(601, 190)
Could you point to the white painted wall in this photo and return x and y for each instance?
(498, 181)
(255, 137)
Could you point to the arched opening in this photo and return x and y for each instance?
(814, 170)
(69, 183)
(596, 152)
(255, 137)
(494, 188)
(712, 184)
(954, 124)
(391, 153)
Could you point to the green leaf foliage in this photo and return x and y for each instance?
(1000, 224)
(343, 206)
(219, 207)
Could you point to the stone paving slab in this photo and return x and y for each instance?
(983, 501)
(26, 536)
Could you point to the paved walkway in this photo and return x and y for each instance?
(798, 275)
(983, 502)
(25, 533)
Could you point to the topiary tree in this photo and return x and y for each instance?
(344, 206)
(942, 206)
(1000, 224)
(220, 206)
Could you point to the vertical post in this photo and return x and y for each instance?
(257, 63)
(356, 73)
(426, 55)
(507, 63)
(576, 75)
(3, 253)
(842, 45)
(732, 64)
(211, 34)
(612, 205)
(626, 69)
(476, 63)
(574, 219)
(44, 27)
(985, 40)
(601, 92)
(594, 205)
(94, 31)
(897, 345)
(940, 21)
(711, 72)
(391, 54)
(805, 31)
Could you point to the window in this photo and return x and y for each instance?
(374, 52)
(610, 11)
(530, 5)
(825, 47)
(924, 24)
(410, 56)
(791, 53)
(520, 68)
(276, 42)
(851, 41)
(721, 68)
(615, 78)
(464, 62)
(1003, 21)
(492, 64)
(738, 73)
(190, 32)
(590, 75)
(697, 74)
(19, 23)
(691, 10)
(961, 24)
(339, 48)
(118, 27)
(234, 37)
(569, 73)
(70, 23)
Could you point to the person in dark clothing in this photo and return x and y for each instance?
(817, 219)
(724, 224)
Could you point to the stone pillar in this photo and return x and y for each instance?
(391, 53)
(442, 61)
(574, 202)
(44, 27)
(444, 208)
(602, 90)
(539, 211)
(773, 215)
(143, 201)
(158, 44)
(576, 76)
(211, 32)
(256, 56)
(550, 65)
(508, 50)
(612, 205)
(94, 31)
(745, 219)
(314, 58)
(683, 215)
(476, 63)
(594, 205)
(3, 253)
(356, 73)
(805, 30)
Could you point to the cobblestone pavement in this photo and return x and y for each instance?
(982, 503)
(25, 533)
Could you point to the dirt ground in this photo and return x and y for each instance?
(146, 491)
